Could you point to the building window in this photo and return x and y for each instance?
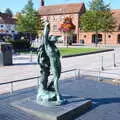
(53, 18)
(85, 36)
(118, 27)
(13, 31)
(118, 39)
(1, 26)
(48, 17)
(54, 27)
(109, 36)
(8, 27)
(99, 38)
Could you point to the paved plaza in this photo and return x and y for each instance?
(25, 66)
(105, 97)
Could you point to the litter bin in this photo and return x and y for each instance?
(5, 54)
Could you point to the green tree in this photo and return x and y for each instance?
(98, 19)
(98, 5)
(9, 11)
(108, 23)
(39, 23)
(29, 20)
(90, 22)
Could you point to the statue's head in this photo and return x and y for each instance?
(46, 21)
(52, 38)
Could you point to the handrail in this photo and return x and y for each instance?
(89, 70)
(27, 79)
(78, 76)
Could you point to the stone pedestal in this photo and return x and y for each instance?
(5, 54)
(73, 108)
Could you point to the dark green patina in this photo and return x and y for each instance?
(49, 60)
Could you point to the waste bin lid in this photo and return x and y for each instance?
(4, 43)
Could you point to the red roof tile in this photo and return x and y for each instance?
(116, 15)
(61, 9)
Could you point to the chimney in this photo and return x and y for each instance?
(42, 2)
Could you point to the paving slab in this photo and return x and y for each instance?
(105, 100)
(72, 109)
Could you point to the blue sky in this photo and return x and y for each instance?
(18, 5)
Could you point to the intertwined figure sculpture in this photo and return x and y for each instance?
(49, 60)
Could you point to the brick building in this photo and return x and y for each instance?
(108, 38)
(56, 14)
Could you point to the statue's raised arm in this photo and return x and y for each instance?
(46, 32)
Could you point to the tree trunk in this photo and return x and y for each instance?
(96, 38)
(30, 36)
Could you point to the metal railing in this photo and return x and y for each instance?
(28, 79)
(78, 74)
(16, 81)
(98, 75)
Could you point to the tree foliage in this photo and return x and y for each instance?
(9, 11)
(98, 5)
(90, 21)
(98, 19)
(29, 20)
(108, 22)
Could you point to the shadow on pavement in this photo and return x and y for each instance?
(102, 101)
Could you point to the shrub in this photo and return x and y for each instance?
(20, 45)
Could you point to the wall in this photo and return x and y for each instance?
(58, 20)
(111, 38)
(7, 27)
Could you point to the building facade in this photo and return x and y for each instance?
(104, 38)
(7, 25)
(56, 14)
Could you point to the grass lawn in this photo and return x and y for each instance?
(72, 51)
(69, 51)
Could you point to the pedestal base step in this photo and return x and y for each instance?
(73, 108)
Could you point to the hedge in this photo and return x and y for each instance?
(20, 45)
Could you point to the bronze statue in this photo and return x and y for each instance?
(49, 60)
